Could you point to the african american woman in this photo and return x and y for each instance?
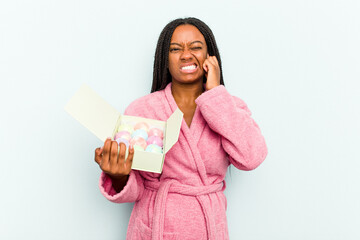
(185, 201)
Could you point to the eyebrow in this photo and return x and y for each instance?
(190, 43)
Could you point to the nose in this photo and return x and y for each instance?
(186, 54)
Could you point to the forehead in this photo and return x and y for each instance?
(187, 33)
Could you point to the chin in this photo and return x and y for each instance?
(192, 80)
(189, 81)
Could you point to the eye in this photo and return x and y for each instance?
(197, 48)
(174, 49)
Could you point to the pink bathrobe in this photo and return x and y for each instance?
(187, 201)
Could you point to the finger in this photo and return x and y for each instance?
(98, 152)
(114, 153)
(205, 68)
(129, 159)
(209, 64)
(205, 65)
(101, 149)
(214, 61)
(121, 158)
(106, 153)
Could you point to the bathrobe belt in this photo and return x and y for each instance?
(173, 186)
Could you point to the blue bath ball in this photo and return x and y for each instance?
(153, 148)
(140, 133)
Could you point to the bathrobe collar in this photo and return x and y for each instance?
(197, 124)
(191, 134)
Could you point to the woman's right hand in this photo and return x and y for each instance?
(111, 162)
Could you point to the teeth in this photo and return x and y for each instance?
(189, 67)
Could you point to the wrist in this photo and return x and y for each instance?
(118, 178)
(119, 182)
(211, 87)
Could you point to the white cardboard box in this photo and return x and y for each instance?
(93, 112)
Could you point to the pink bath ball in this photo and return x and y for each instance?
(138, 141)
(123, 134)
(142, 125)
(156, 132)
(155, 140)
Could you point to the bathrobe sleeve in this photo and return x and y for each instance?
(134, 187)
(230, 117)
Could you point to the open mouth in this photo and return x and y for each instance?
(189, 68)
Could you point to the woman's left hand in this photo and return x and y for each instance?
(212, 72)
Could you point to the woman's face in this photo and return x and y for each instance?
(187, 54)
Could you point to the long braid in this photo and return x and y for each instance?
(161, 74)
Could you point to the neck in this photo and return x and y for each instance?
(185, 94)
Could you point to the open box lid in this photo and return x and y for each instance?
(173, 125)
(93, 112)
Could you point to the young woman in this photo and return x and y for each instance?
(185, 201)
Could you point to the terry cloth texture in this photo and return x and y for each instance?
(187, 201)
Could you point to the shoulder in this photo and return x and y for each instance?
(220, 95)
(146, 106)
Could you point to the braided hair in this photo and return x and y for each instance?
(161, 74)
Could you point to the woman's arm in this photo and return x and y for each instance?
(230, 117)
(128, 184)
